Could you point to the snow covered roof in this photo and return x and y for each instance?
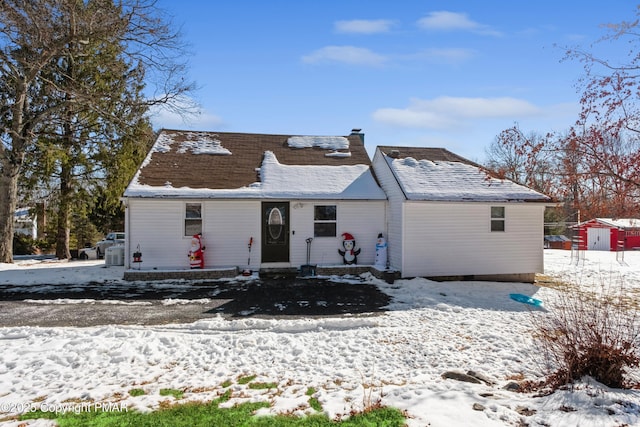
(436, 174)
(194, 142)
(327, 142)
(615, 222)
(22, 214)
(239, 165)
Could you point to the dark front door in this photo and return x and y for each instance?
(275, 232)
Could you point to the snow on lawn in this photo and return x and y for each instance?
(350, 361)
(40, 272)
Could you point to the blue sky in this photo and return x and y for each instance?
(449, 74)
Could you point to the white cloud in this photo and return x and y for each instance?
(412, 118)
(364, 26)
(445, 55)
(453, 21)
(185, 114)
(449, 112)
(351, 55)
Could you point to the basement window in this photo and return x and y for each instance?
(192, 219)
(497, 218)
(324, 221)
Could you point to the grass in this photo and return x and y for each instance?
(171, 392)
(135, 392)
(195, 414)
(313, 402)
(246, 380)
(210, 414)
(262, 386)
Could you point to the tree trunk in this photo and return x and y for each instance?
(64, 209)
(10, 164)
(8, 201)
(63, 226)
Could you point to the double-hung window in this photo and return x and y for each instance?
(497, 218)
(324, 221)
(192, 219)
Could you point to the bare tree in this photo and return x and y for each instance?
(526, 159)
(607, 133)
(595, 174)
(37, 37)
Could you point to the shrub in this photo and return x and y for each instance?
(24, 245)
(589, 333)
(27, 245)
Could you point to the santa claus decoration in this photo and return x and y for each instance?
(350, 253)
(196, 252)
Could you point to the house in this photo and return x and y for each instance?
(255, 198)
(447, 217)
(25, 221)
(609, 234)
(265, 202)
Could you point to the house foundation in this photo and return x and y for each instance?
(220, 273)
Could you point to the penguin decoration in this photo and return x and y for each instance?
(350, 253)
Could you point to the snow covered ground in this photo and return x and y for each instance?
(398, 356)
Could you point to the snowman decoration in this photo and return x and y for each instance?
(381, 252)
(350, 253)
(196, 252)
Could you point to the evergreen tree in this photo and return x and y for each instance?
(71, 84)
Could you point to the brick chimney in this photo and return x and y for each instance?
(358, 132)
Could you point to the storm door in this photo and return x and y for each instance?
(275, 232)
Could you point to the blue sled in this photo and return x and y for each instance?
(526, 299)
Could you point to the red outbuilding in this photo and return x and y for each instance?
(608, 234)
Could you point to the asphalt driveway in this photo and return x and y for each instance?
(161, 302)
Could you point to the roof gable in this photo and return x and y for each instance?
(223, 164)
(436, 174)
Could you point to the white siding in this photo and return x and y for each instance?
(445, 239)
(158, 227)
(363, 219)
(227, 225)
(396, 198)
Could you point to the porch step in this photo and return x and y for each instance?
(278, 272)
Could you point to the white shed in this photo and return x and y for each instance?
(447, 217)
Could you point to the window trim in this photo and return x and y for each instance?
(325, 221)
(498, 219)
(185, 219)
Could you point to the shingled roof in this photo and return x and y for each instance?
(437, 174)
(197, 160)
(186, 168)
(424, 153)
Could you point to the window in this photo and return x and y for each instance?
(497, 218)
(324, 221)
(192, 219)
